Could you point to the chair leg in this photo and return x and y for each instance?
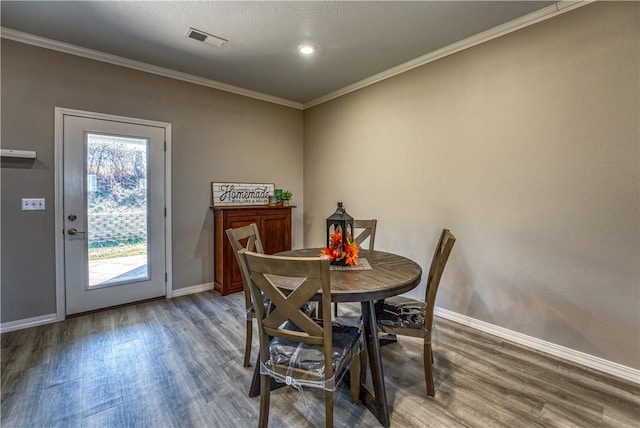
(328, 405)
(354, 379)
(265, 396)
(427, 356)
(247, 346)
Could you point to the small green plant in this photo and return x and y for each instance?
(286, 195)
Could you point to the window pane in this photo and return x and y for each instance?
(117, 209)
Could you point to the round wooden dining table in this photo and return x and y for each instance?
(389, 275)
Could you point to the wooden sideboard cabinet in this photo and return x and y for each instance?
(274, 225)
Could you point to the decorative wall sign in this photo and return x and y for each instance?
(234, 194)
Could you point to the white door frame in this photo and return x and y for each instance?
(60, 112)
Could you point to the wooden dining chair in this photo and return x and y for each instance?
(409, 317)
(294, 348)
(253, 243)
(368, 230)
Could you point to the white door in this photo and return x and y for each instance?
(114, 212)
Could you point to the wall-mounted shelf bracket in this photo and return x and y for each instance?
(24, 154)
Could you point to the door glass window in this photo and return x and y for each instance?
(116, 183)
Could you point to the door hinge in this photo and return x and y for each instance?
(166, 277)
(165, 211)
(165, 146)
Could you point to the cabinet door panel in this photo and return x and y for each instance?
(277, 227)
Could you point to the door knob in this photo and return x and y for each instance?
(74, 231)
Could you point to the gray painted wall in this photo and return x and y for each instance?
(217, 136)
(527, 148)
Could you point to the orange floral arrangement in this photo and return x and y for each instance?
(338, 252)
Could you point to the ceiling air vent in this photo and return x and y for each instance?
(201, 36)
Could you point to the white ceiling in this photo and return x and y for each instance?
(355, 40)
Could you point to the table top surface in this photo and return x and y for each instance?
(390, 275)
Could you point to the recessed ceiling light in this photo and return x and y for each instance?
(306, 49)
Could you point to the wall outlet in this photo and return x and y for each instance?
(32, 204)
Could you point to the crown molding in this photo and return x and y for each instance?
(18, 36)
(495, 32)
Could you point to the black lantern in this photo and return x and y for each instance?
(339, 221)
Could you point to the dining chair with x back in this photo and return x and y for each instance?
(367, 230)
(294, 348)
(253, 243)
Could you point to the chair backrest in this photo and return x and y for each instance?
(440, 257)
(254, 243)
(308, 275)
(369, 231)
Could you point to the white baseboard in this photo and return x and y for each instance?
(27, 322)
(51, 318)
(568, 354)
(193, 289)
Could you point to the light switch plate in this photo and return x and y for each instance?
(32, 204)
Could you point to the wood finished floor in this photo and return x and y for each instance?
(178, 363)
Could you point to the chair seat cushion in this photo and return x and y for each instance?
(400, 312)
(299, 355)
